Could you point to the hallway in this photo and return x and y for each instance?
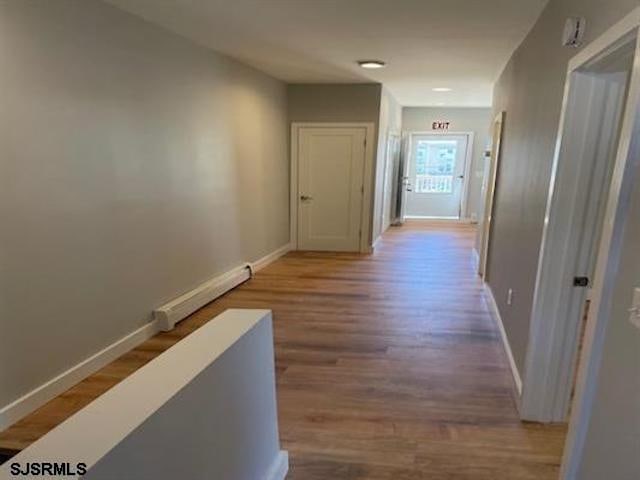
(389, 366)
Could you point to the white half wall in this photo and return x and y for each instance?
(204, 409)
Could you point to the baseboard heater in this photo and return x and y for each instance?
(171, 313)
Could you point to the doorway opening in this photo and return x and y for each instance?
(436, 177)
(490, 178)
(591, 154)
(390, 182)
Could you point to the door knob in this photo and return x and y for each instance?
(305, 198)
(460, 177)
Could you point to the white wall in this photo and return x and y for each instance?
(134, 166)
(476, 120)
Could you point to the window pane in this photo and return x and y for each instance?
(435, 163)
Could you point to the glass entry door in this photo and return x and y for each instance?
(436, 176)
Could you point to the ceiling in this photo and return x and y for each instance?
(460, 44)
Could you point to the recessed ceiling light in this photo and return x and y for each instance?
(441, 89)
(371, 63)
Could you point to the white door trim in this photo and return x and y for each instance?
(625, 175)
(385, 193)
(553, 337)
(366, 215)
(490, 193)
(468, 160)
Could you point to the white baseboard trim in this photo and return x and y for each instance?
(36, 398)
(495, 313)
(279, 467)
(463, 220)
(270, 258)
(476, 259)
(376, 241)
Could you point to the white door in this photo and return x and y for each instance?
(330, 187)
(436, 176)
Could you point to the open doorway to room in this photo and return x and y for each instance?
(592, 151)
(390, 182)
(436, 175)
(492, 162)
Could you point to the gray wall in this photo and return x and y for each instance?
(339, 102)
(530, 90)
(476, 120)
(390, 122)
(134, 166)
(357, 102)
(612, 448)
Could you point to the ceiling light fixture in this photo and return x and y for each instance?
(371, 63)
(441, 89)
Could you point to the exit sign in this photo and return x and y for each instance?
(440, 125)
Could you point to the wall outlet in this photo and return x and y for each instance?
(510, 296)
(634, 311)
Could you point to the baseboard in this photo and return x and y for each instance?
(270, 258)
(495, 313)
(375, 242)
(279, 467)
(462, 220)
(36, 398)
(476, 259)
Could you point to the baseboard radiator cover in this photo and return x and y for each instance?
(178, 309)
(168, 315)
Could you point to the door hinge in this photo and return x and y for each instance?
(362, 189)
(580, 281)
(365, 142)
(360, 233)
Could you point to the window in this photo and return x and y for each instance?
(435, 162)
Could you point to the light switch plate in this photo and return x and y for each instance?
(634, 311)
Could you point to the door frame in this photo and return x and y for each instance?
(468, 160)
(488, 201)
(385, 193)
(366, 214)
(625, 174)
(553, 338)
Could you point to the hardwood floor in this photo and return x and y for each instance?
(389, 366)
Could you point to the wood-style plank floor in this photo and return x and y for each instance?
(389, 366)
